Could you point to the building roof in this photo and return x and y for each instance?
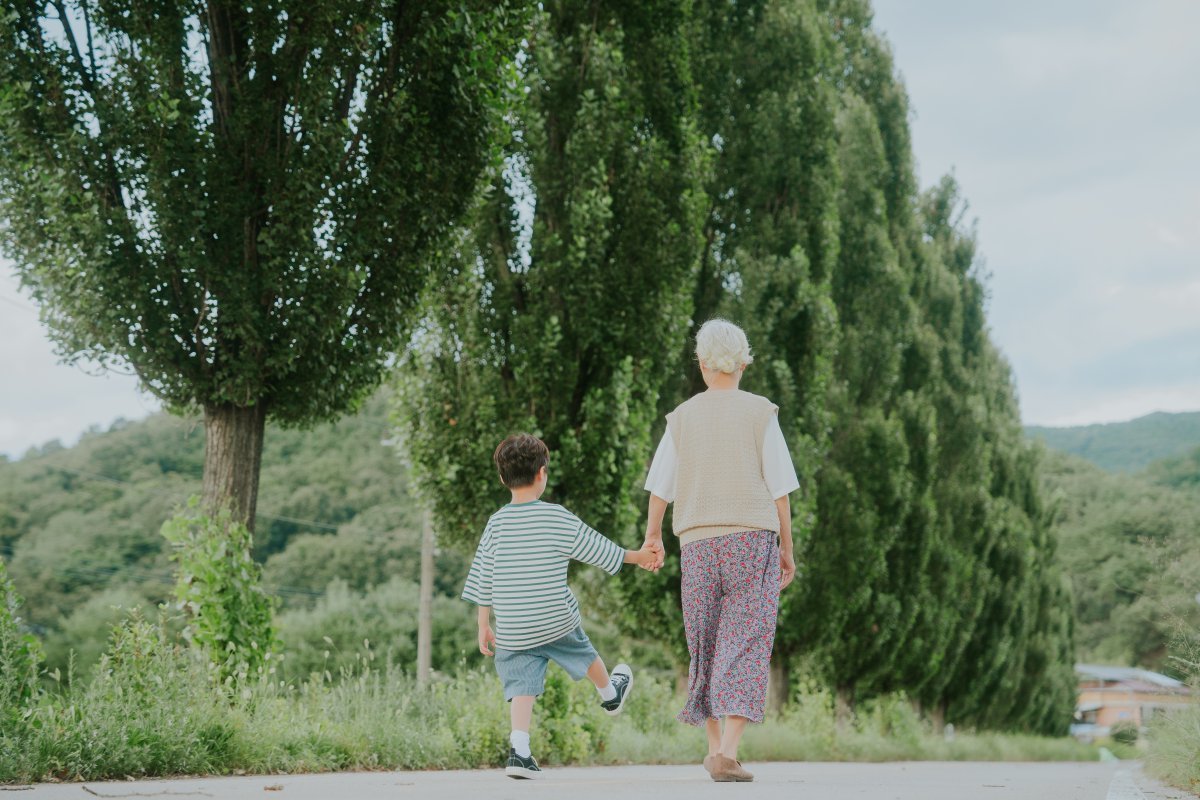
(1128, 675)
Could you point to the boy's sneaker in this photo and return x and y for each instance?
(622, 681)
(522, 767)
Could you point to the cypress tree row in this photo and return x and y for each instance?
(761, 169)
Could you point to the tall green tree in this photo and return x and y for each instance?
(242, 201)
(568, 297)
(769, 247)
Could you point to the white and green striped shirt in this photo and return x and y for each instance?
(520, 570)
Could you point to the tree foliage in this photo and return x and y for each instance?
(568, 295)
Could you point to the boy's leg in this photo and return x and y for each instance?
(521, 713)
(598, 674)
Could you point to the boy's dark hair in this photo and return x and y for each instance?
(519, 457)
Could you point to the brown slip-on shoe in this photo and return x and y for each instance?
(727, 770)
(708, 764)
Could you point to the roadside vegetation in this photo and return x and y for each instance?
(154, 707)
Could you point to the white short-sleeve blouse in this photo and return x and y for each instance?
(777, 467)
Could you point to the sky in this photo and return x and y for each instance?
(1073, 128)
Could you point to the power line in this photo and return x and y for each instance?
(13, 302)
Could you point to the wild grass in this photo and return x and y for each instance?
(1174, 754)
(153, 708)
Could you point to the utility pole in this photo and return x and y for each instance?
(425, 605)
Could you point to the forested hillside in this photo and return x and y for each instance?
(1129, 544)
(79, 530)
(1126, 446)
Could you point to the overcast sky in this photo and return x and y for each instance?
(1073, 127)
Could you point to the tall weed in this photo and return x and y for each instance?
(219, 588)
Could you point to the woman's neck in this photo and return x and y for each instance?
(723, 381)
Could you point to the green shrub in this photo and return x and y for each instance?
(1124, 732)
(149, 709)
(229, 616)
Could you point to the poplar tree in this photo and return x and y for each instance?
(241, 201)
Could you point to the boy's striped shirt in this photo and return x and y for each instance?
(520, 570)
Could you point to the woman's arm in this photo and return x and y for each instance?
(660, 482)
(787, 562)
(654, 520)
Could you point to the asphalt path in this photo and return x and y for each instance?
(774, 781)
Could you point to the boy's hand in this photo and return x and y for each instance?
(487, 640)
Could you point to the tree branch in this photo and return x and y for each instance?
(87, 78)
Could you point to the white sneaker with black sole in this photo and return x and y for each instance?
(522, 767)
(622, 681)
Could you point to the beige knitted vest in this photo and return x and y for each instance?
(720, 487)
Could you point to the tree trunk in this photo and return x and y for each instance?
(937, 715)
(778, 683)
(425, 605)
(844, 706)
(233, 441)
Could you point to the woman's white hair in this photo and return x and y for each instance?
(722, 346)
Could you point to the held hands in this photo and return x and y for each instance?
(653, 554)
(487, 640)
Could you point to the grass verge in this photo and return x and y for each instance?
(152, 708)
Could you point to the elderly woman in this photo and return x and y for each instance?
(725, 465)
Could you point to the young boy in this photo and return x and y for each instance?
(520, 570)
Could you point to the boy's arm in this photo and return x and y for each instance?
(592, 547)
(487, 638)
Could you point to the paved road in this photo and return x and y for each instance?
(778, 781)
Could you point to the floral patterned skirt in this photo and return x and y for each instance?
(730, 604)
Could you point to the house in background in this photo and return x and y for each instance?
(1109, 695)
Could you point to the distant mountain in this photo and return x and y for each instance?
(1126, 446)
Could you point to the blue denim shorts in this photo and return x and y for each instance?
(523, 672)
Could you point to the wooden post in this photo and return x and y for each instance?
(425, 605)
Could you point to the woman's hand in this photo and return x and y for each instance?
(787, 569)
